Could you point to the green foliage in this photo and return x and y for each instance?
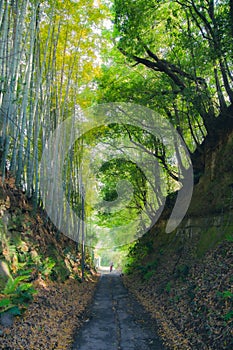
(78, 278)
(182, 271)
(168, 287)
(7, 306)
(16, 221)
(147, 276)
(46, 267)
(12, 284)
(18, 293)
(148, 270)
(225, 295)
(5, 302)
(136, 253)
(170, 63)
(191, 291)
(228, 316)
(229, 238)
(60, 271)
(134, 262)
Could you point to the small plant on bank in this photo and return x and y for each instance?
(228, 316)
(182, 272)
(168, 287)
(227, 297)
(16, 295)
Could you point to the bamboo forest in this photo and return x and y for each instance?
(116, 174)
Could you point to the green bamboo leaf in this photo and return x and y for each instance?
(12, 284)
(5, 302)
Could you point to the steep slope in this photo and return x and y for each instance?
(40, 278)
(185, 278)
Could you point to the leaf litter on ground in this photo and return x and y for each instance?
(51, 320)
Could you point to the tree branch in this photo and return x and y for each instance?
(158, 66)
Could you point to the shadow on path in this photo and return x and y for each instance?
(117, 321)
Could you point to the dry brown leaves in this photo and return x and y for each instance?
(191, 313)
(58, 309)
(51, 320)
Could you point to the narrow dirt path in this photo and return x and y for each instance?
(117, 321)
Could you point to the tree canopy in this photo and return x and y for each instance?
(60, 57)
(184, 50)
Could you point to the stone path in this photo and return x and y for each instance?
(117, 321)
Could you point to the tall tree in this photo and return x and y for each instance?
(187, 47)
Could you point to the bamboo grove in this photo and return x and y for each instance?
(48, 58)
(174, 57)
